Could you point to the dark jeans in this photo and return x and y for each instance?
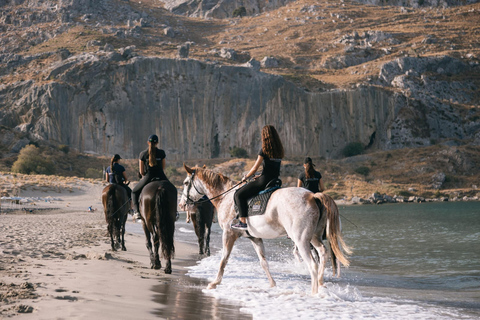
(248, 191)
(129, 191)
(139, 187)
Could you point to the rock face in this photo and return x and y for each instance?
(221, 9)
(110, 103)
(417, 3)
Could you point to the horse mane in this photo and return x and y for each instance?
(213, 179)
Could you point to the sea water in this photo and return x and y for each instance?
(410, 261)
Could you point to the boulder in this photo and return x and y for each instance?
(183, 50)
(269, 62)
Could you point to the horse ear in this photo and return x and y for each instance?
(204, 166)
(189, 170)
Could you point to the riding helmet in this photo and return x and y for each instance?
(153, 138)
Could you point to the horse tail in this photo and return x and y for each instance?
(111, 204)
(165, 223)
(334, 233)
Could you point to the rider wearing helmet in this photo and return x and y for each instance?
(310, 179)
(115, 173)
(151, 166)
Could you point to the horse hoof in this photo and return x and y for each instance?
(168, 271)
(156, 267)
(211, 286)
(124, 249)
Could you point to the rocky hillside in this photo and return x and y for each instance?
(100, 76)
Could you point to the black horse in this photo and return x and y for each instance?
(116, 206)
(202, 217)
(158, 209)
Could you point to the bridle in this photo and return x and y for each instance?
(190, 201)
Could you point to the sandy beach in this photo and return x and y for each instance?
(56, 263)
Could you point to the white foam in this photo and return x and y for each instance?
(185, 230)
(245, 282)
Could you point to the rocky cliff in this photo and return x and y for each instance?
(109, 103)
(221, 9)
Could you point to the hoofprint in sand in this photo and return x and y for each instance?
(58, 263)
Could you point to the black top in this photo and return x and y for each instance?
(271, 167)
(312, 183)
(118, 169)
(156, 171)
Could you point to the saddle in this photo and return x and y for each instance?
(258, 203)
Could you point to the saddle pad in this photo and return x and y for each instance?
(257, 204)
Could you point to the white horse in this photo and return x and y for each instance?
(295, 212)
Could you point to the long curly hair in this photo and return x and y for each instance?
(271, 143)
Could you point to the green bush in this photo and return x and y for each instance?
(239, 12)
(236, 152)
(92, 173)
(32, 161)
(353, 149)
(404, 193)
(171, 171)
(364, 171)
(64, 148)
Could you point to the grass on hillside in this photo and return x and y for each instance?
(393, 172)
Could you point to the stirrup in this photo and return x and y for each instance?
(240, 226)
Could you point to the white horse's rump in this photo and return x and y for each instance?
(290, 211)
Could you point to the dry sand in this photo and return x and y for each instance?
(57, 264)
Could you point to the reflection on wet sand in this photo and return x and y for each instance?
(183, 299)
(180, 297)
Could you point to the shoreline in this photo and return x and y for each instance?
(58, 264)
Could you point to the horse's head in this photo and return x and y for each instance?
(193, 189)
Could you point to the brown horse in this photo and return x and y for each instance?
(158, 209)
(201, 212)
(116, 206)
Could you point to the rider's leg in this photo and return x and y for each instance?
(137, 190)
(243, 194)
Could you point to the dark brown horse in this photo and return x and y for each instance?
(158, 209)
(116, 206)
(201, 213)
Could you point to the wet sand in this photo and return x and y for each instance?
(57, 263)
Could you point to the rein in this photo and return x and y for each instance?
(208, 199)
(121, 207)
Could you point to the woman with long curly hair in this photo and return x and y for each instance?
(270, 156)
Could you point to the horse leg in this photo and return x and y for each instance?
(110, 231)
(124, 220)
(196, 227)
(260, 249)
(117, 232)
(168, 268)
(304, 249)
(295, 254)
(320, 247)
(148, 242)
(207, 241)
(157, 263)
(229, 239)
